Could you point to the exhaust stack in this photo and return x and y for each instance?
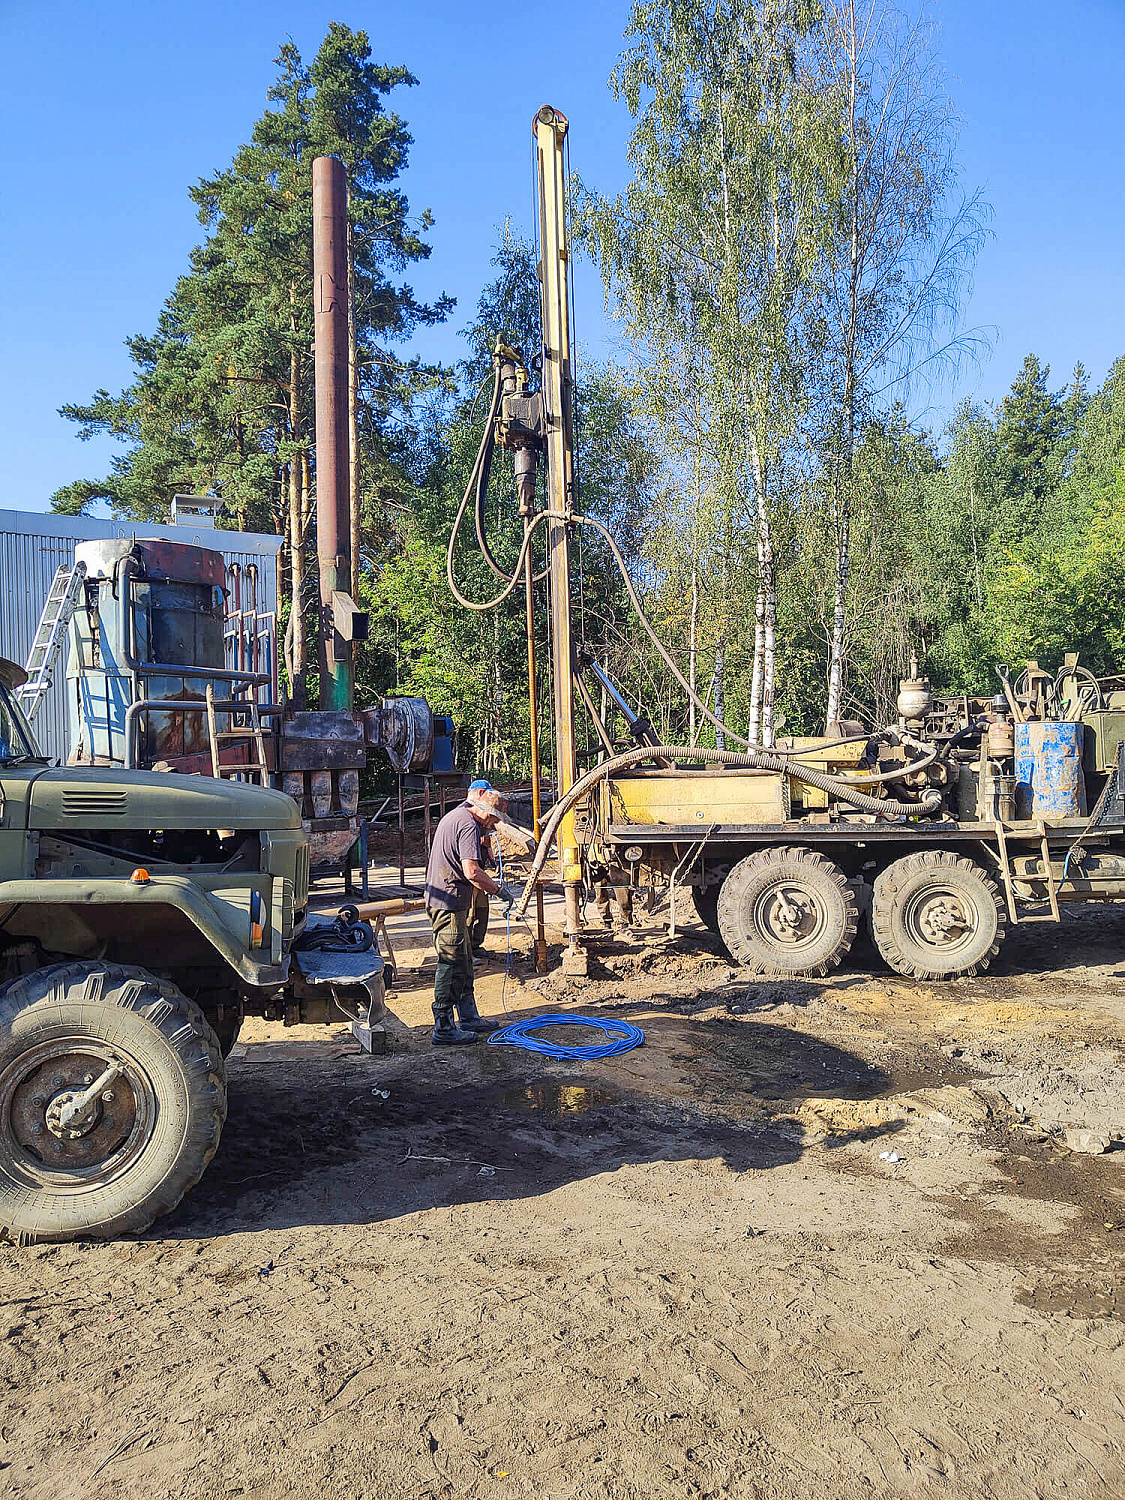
(340, 621)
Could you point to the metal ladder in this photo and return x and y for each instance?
(251, 731)
(62, 599)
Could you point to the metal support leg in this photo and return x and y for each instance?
(401, 836)
(575, 963)
(364, 881)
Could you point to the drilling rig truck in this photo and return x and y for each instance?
(941, 829)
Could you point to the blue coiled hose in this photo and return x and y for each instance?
(624, 1037)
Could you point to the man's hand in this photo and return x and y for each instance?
(507, 896)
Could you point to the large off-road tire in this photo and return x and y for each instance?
(145, 1138)
(706, 903)
(787, 911)
(937, 915)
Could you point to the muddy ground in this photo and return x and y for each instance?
(811, 1242)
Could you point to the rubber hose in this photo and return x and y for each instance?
(483, 473)
(493, 408)
(476, 486)
(753, 760)
(623, 1037)
(482, 605)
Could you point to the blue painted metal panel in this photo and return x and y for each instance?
(33, 544)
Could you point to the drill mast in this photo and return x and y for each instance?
(558, 422)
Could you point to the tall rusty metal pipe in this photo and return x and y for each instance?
(333, 524)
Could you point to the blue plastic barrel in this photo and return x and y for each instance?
(1049, 780)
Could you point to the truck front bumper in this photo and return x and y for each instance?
(352, 981)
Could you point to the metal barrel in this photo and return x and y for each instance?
(1049, 780)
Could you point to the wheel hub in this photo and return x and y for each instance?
(943, 920)
(791, 915)
(72, 1110)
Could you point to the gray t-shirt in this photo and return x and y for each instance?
(456, 839)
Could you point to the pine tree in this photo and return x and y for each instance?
(1031, 424)
(223, 402)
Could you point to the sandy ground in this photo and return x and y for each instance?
(812, 1241)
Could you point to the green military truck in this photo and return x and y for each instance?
(142, 915)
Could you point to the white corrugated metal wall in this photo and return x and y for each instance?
(33, 545)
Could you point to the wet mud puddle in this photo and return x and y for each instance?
(559, 1100)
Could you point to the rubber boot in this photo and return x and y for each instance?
(470, 1019)
(446, 1032)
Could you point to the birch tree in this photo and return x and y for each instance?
(899, 263)
(712, 243)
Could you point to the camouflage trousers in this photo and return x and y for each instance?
(453, 981)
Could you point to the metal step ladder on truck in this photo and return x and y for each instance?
(940, 830)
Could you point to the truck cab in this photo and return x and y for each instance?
(142, 915)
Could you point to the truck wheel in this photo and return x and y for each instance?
(706, 904)
(787, 911)
(936, 915)
(145, 1053)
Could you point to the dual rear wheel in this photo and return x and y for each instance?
(791, 911)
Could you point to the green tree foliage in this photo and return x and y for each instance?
(711, 454)
(222, 402)
(1059, 584)
(1006, 546)
(475, 666)
(210, 407)
(899, 258)
(707, 256)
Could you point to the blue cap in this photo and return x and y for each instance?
(480, 785)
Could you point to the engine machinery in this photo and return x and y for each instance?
(165, 671)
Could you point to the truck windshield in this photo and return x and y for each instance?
(16, 740)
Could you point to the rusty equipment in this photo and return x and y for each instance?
(377, 912)
(323, 752)
(341, 623)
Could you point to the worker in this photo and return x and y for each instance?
(478, 921)
(454, 871)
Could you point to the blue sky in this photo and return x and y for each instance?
(111, 110)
